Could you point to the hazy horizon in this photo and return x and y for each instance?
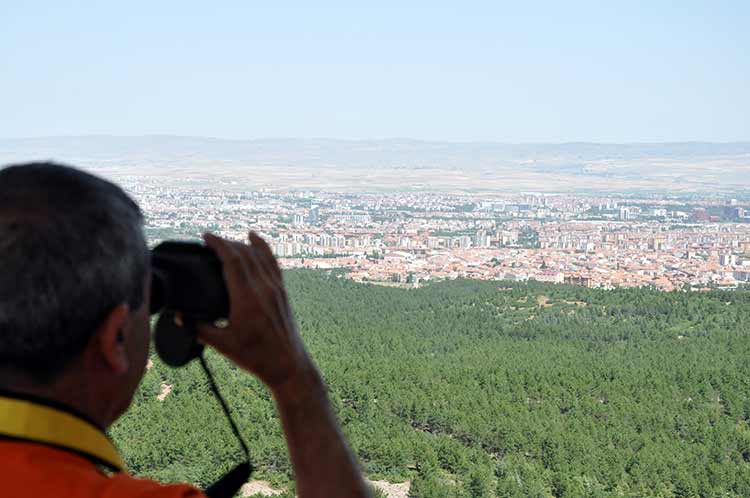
(676, 167)
(366, 139)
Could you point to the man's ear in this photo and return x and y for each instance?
(112, 338)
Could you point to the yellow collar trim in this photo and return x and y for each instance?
(29, 421)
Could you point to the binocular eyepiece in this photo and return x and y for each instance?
(187, 287)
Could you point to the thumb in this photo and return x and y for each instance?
(215, 337)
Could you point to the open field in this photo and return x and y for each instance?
(679, 168)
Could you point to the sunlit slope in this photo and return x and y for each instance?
(478, 389)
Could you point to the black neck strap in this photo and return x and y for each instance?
(228, 485)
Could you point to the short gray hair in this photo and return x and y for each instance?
(71, 249)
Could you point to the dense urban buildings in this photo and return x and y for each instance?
(408, 238)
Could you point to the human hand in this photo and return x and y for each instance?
(261, 337)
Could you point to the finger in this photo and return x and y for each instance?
(267, 288)
(244, 251)
(265, 252)
(234, 268)
(272, 282)
(257, 266)
(214, 337)
(255, 283)
(266, 284)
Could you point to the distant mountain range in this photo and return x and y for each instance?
(347, 152)
(683, 166)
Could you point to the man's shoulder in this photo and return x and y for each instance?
(123, 485)
(33, 470)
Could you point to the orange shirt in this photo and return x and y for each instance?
(32, 470)
(48, 450)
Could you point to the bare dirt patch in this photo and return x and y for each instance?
(165, 390)
(580, 304)
(543, 302)
(398, 490)
(264, 488)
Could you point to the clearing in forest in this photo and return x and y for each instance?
(543, 302)
(165, 390)
(259, 488)
(398, 490)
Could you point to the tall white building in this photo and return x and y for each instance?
(314, 217)
(481, 239)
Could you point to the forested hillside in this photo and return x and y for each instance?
(480, 389)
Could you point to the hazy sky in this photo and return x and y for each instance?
(503, 71)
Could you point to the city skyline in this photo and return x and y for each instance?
(413, 238)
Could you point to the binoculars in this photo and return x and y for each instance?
(187, 287)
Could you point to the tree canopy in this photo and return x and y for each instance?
(479, 389)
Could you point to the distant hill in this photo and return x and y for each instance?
(349, 152)
(642, 166)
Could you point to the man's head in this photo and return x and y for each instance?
(73, 281)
